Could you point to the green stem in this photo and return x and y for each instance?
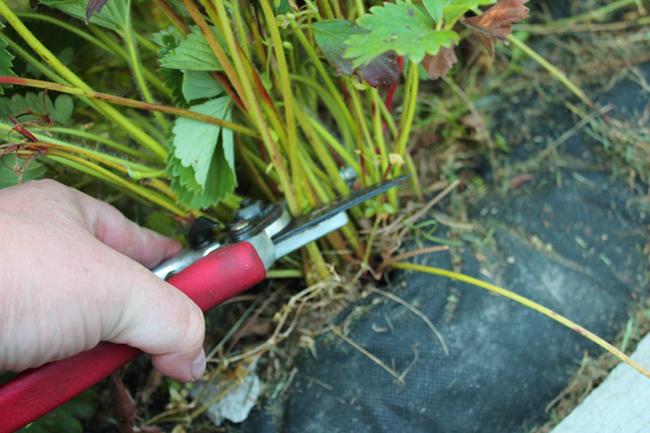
(311, 7)
(129, 167)
(327, 9)
(317, 262)
(324, 193)
(551, 69)
(100, 139)
(132, 169)
(371, 240)
(378, 127)
(148, 124)
(101, 97)
(341, 122)
(146, 44)
(595, 13)
(361, 10)
(241, 28)
(335, 145)
(255, 173)
(256, 112)
(117, 50)
(287, 94)
(172, 16)
(527, 303)
(65, 26)
(108, 176)
(110, 112)
(337, 8)
(324, 157)
(408, 112)
(414, 176)
(366, 146)
(100, 156)
(284, 273)
(136, 68)
(325, 76)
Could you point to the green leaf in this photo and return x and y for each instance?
(14, 170)
(6, 59)
(400, 27)
(202, 167)
(195, 142)
(458, 8)
(191, 54)
(200, 85)
(35, 102)
(436, 8)
(331, 37)
(40, 105)
(63, 107)
(281, 6)
(228, 145)
(168, 40)
(221, 181)
(115, 15)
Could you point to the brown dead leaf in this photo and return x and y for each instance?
(123, 405)
(437, 66)
(518, 181)
(93, 7)
(496, 22)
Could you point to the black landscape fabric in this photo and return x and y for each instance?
(570, 238)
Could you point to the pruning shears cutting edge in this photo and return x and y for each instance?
(212, 270)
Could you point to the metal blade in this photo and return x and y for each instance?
(313, 225)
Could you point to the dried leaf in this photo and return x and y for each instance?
(123, 404)
(113, 14)
(331, 37)
(437, 66)
(383, 72)
(94, 6)
(496, 22)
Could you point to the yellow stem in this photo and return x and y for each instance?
(527, 303)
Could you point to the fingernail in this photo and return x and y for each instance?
(198, 366)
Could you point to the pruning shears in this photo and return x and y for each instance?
(212, 270)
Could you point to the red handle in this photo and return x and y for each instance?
(221, 275)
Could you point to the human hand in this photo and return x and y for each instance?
(74, 272)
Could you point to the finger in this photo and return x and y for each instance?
(112, 228)
(157, 318)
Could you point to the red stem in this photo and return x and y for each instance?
(391, 92)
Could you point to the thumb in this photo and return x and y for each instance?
(158, 319)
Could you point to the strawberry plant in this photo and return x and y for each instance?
(279, 97)
(190, 105)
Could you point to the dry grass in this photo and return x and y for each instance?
(594, 370)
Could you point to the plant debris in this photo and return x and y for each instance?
(496, 23)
